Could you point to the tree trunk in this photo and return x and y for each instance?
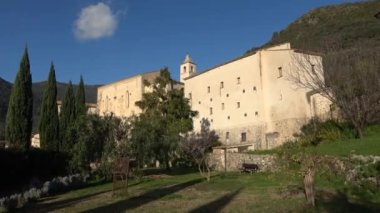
(166, 159)
(359, 132)
(308, 181)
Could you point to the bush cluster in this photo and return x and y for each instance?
(21, 167)
(58, 184)
(317, 131)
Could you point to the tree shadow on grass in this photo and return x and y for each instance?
(339, 202)
(46, 207)
(218, 204)
(145, 198)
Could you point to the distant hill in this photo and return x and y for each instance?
(38, 88)
(342, 26)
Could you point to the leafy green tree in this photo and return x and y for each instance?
(80, 98)
(20, 110)
(169, 115)
(49, 121)
(67, 119)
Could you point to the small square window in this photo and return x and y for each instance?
(256, 113)
(243, 90)
(228, 117)
(238, 80)
(279, 72)
(227, 95)
(211, 99)
(243, 137)
(238, 104)
(245, 114)
(313, 69)
(221, 85)
(208, 89)
(254, 88)
(199, 102)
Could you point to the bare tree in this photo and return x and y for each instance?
(350, 79)
(197, 147)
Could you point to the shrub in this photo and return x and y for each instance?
(58, 184)
(316, 132)
(24, 168)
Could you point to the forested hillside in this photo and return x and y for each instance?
(338, 26)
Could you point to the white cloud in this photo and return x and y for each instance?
(95, 21)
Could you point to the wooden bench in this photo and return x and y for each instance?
(249, 167)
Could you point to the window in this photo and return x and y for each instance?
(222, 106)
(228, 117)
(191, 69)
(243, 137)
(184, 69)
(212, 120)
(254, 88)
(313, 69)
(227, 135)
(243, 90)
(199, 102)
(227, 95)
(256, 113)
(210, 99)
(210, 110)
(238, 104)
(245, 114)
(127, 98)
(238, 80)
(208, 89)
(221, 85)
(279, 72)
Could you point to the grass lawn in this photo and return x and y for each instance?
(368, 145)
(231, 192)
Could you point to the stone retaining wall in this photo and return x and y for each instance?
(235, 161)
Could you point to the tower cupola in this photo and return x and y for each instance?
(188, 68)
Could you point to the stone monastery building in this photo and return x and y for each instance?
(250, 101)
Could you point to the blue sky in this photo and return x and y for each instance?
(110, 40)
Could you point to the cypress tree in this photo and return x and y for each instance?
(80, 102)
(49, 121)
(67, 118)
(20, 109)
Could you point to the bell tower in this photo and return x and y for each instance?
(187, 69)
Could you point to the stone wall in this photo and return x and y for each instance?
(235, 161)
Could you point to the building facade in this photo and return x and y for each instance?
(250, 101)
(119, 97)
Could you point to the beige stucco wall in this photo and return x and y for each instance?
(272, 108)
(120, 97)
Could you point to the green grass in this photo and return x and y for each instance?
(368, 145)
(227, 192)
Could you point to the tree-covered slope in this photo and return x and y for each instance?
(341, 26)
(38, 89)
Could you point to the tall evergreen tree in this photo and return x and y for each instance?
(67, 118)
(80, 99)
(20, 110)
(49, 121)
